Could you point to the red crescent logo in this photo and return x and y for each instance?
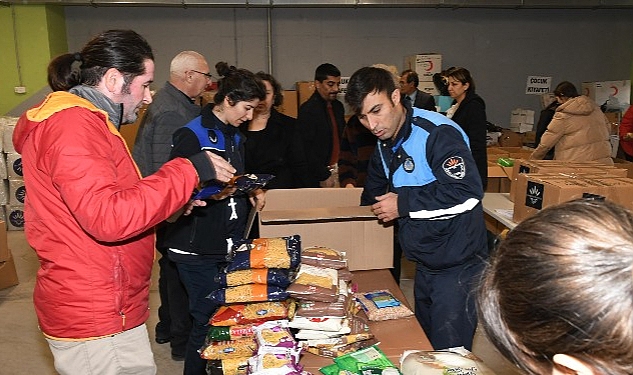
(615, 91)
(430, 66)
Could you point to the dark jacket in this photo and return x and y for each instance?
(357, 146)
(471, 116)
(272, 150)
(208, 230)
(430, 167)
(315, 133)
(546, 116)
(170, 109)
(424, 101)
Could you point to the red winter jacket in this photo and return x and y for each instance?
(90, 218)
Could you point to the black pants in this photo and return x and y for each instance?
(174, 321)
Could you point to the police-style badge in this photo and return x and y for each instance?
(408, 165)
(455, 167)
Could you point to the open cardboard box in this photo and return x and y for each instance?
(332, 218)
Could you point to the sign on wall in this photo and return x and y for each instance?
(537, 85)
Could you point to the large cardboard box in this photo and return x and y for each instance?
(329, 217)
(8, 273)
(289, 106)
(600, 92)
(425, 64)
(535, 192)
(4, 246)
(305, 89)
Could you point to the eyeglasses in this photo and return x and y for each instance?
(208, 75)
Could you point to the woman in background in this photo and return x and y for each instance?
(557, 296)
(469, 112)
(579, 129)
(270, 145)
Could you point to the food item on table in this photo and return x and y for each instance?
(382, 305)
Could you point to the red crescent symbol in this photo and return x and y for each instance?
(615, 91)
(430, 66)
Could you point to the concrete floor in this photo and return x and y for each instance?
(23, 349)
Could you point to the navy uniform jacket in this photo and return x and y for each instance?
(431, 168)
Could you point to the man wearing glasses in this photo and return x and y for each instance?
(173, 106)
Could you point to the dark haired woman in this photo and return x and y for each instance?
(557, 296)
(579, 129)
(199, 243)
(469, 112)
(270, 148)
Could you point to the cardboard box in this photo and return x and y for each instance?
(15, 217)
(600, 92)
(4, 245)
(425, 64)
(290, 104)
(535, 192)
(17, 192)
(8, 273)
(305, 89)
(625, 164)
(429, 88)
(509, 138)
(329, 217)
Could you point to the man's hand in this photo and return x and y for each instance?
(223, 170)
(387, 207)
(258, 199)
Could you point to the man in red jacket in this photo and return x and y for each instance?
(89, 215)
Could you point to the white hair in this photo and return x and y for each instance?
(184, 61)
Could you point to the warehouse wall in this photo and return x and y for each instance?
(500, 47)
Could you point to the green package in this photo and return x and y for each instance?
(368, 361)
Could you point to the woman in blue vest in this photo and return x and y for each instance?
(199, 243)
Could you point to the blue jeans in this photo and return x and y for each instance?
(199, 281)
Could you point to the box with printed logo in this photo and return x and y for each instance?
(15, 217)
(425, 64)
(17, 192)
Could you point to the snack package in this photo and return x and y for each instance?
(382, 305)
(229, 349)
(457, 361)
(271, 276)
(274, 333)
(229, 333)
(368, 361)
(243, 184)
(320, 256)
(234, 366)
(258, 312)
(278, 252)
(249, 293)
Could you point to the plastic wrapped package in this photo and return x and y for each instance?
(286, 359)
(271, 276)
(366, 361)
(229, 333)
(323, 257)
(229, 349)
(242, 184)
(249, 293)
(382, 305)
(315, 309)
(457, 361)
(274, 333)
(248, 313)
(233, 366)
(319, 324)
(315, 284)
(278, 252)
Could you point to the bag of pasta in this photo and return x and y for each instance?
(271, 276)
(277, 252)
(249, 293)
(229, 349)
(249, 313)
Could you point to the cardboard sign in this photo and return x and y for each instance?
(537, 85)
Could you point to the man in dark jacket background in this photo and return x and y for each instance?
(320, 125)
(174, 105)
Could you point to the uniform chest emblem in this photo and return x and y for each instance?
(409, 164)
(213, 137)
(454, 167)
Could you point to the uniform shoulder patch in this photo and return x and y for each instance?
(454, 167)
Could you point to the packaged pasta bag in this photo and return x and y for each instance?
(321, 256)
(229, 349)
(275, 361)
(271, 276)
(233, 366)
(277, 252)
(249, 293)
(368, 361)
(274, 333)
(458, 361)
(382, 305)
(315, 284)
(228, 333)
(248, 313)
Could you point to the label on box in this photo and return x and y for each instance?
(534, 195)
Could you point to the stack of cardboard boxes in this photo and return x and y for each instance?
(13, 190)
(8, 274)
